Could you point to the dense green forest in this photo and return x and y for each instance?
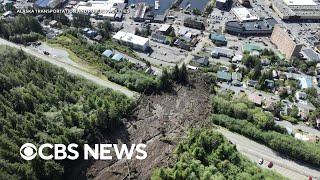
(40, 103)
(241, 117)
(21, 29)
(206, 154)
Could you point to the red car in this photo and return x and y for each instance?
(270, 165)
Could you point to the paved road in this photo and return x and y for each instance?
(73, 69)
(255, 151)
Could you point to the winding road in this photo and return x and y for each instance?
(254, 151)
(73, 69)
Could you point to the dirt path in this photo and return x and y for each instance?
(161, 121)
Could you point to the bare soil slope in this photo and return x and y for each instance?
(160, 121)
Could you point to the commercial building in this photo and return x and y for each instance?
(296, 9)
(243, 14)
(256, 27)
(131, 40)
(141, 9)
(285, 42)
(165, 29)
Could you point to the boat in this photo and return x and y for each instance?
(156, 4)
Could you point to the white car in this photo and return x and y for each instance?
(261, 161)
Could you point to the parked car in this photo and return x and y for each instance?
(270, 165)
(46, 53)
(261, 161)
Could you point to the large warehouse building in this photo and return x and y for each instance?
(296, 9)
(131, 40)
(285, 42)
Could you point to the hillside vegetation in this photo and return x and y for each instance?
(40, 103)
(206, 154)
(239, 116)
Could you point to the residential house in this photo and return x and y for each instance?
(269, 83)
(218, 39)
(237, 58)
(118, 57)
(223, 52)
(182, 45)
(201, 61)
(301, 96)
(194, 23)
(252, 83)
(224, 76)
(107, 53)
(159, 38)
(255, 98)
(305, 83)
(305, 108)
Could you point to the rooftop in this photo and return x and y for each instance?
(107, 53)
(255, 98)
(264, 25)
(297, 8)
(129, 37)
(219, 50)
(217, 37)
(117, 57)
(224, 75)
(248, 47)
(164, 27)
(243, 14)
(311, 54)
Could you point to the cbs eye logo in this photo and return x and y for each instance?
(28, 151)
